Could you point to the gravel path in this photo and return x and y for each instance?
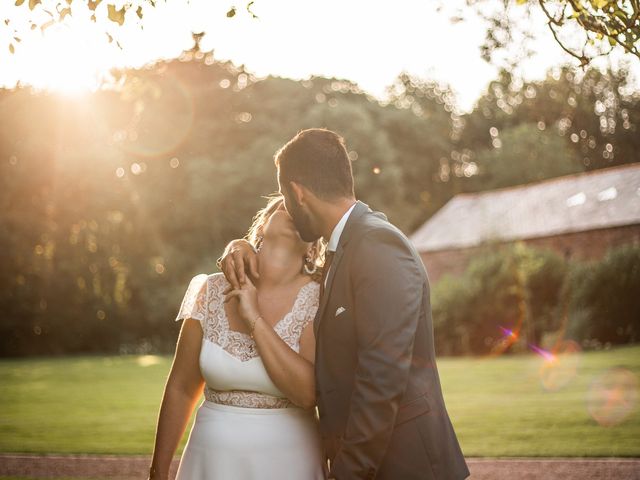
(136, 467)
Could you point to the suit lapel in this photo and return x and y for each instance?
(327, 290)
(356, 213)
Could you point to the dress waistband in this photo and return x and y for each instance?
(253, 411)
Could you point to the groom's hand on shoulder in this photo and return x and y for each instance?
(238, 259)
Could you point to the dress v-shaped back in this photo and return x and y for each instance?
(229, 360)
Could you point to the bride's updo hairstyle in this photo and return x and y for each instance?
(253, 236)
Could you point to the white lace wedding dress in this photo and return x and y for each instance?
(246, 429)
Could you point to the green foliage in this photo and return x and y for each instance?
(534, 292)
(525, 154)
(545, 274)
(595, 114)
(511, 288)
(605, 305)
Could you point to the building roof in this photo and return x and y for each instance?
(575, 203)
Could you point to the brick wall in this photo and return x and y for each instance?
(592, 244)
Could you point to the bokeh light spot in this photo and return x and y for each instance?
(148, 360)
(613, 396)
(560, 367)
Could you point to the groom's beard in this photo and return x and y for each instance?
(302, 222)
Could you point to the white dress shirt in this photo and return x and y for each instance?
(337, 230)
(335, 236)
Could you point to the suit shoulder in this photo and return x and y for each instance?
(380, 239)
(376, 227)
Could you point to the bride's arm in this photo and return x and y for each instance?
(182, 391)
(291, 372)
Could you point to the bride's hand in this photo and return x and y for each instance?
(247, 297)
(239, 258)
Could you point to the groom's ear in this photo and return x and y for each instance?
(299, 192)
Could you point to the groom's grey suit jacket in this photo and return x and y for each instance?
(379, 398)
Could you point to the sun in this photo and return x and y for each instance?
(67, 58)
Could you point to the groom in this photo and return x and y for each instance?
(382, 414)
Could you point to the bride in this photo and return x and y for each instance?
(251, 351)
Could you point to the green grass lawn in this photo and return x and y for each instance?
(498, 406)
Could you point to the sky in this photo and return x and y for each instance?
(367, 42)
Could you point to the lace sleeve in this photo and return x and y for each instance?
(313, 303)
(303, 313)
(194, 303)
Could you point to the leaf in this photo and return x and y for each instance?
(116, 16)
(93, 4)
(44, 26)
(12, 49)
(33, 4)
(249, 7)
(231, 12)
(521, 2)
(139, 12)
(599, 3)
(19, 2)
(64, 12)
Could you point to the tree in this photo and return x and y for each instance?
(524, 154)
(584, 29)
(596, 114)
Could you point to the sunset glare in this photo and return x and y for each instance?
(289, 39)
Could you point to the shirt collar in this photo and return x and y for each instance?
(337, 230)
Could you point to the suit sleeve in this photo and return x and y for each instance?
(388, 288)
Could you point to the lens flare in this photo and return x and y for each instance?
(162, 117)
(548, 356)
(502, 344)
(508, 333)
(613, 396)
(560, 366)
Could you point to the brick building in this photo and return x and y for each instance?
(579, 216)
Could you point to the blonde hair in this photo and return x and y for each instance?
(260, 219)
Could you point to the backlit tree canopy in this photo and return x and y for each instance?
(585, 29)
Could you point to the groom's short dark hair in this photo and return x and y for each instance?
(317, 159)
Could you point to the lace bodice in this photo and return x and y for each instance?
(204, 301)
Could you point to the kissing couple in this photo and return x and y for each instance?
(314, 347)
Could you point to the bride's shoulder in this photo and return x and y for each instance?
(217, 280)
(312, 289)
(207, 279)
(313, 285)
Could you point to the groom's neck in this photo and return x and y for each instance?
(331, 213)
